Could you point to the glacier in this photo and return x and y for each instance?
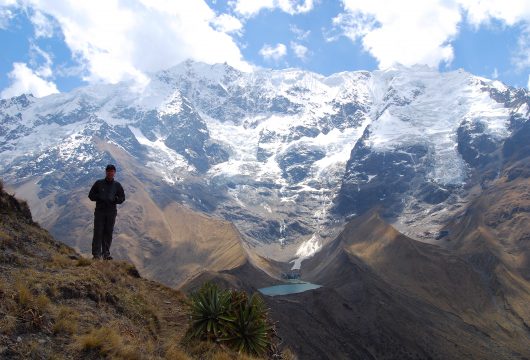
(287, 155)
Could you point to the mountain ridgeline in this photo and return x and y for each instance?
(285, 155)
(404, 192)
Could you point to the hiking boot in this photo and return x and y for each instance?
(107, 257)
(96, 257)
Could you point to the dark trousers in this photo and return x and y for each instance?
(103, 227)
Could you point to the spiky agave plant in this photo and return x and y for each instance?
(210, 313)
(250, 331)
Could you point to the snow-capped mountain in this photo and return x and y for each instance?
(285, 155)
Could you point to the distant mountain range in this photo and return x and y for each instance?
(405, 192)
(285, 155)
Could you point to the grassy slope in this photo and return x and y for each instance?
(56, 304)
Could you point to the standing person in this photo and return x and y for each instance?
(106, 193)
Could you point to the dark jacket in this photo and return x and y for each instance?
(107, 194)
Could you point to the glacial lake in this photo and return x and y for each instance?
(286, 289)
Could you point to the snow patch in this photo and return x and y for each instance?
(307, 249)
(167, 162)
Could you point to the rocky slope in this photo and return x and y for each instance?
(56, 304)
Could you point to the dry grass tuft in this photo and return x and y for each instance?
(106, 342)
(32, 350)
(225, 354)
(66, 322)
(31, 311)
(104, 339)
(3, 288)
(6, 241)
(201, 348)
(212, 351)
(136, 306)
(83, 262)
(8, 324)
(175, 353)
(42, 303)
(60, 261)
(24, 297)
(221, 356)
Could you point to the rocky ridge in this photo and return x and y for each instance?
(287, 156)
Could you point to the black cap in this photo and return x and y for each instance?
(110, 167)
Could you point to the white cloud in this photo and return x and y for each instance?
(249, 8)
(407, 32)
(44, 69)
(42, 24)
(5, 17)
(115, 40)
(227, 23)
(6, 14)
(495, 74)
(420, 31)
(5, 3)
(273, 52)
(299, 50)
(483, 11)
(521, 57)
(509, 13)
(300, 33)
(24, 81)
(354, 24)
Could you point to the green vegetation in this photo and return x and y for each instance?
(230, 317)
(210, 313)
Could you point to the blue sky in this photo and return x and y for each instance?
(50, 46)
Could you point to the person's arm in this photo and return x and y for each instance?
(94, 193)
(120, 194)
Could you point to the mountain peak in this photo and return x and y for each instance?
(295, 151)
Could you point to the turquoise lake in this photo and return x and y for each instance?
(288, 289)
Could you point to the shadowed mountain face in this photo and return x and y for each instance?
(386, 296)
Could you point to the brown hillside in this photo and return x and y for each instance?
(166, 241)
(56, 304)
(493, 236)
(403, 297)
(168, 244)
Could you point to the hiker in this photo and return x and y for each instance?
(106, 193)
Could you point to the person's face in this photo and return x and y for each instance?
(110, 174)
